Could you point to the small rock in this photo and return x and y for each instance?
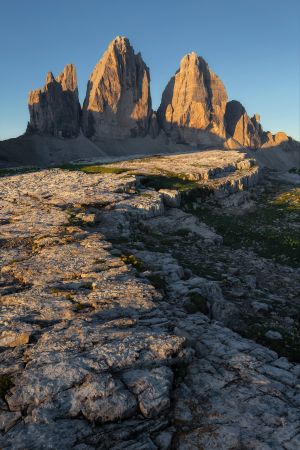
(258, 306)
(14, 338)
(273, 335)
(163, 440)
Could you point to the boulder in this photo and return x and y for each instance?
(118, 101)
(55, 109)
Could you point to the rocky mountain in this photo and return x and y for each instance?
(118, 101)
(117, 118)
(193, 102)
(248, 131)
(240, 126)
(55, 109)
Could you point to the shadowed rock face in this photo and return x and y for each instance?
(193, 102)
(55, 109)
(118, 101)
(248, 131)
(244, 130)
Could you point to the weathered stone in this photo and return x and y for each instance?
(194, 102)
(272, 140)
(55, 109)
(106, 345)
(14, 338)
(274, 335)
(241, 127)
(247, 131)
(118, 102)
(152, 389)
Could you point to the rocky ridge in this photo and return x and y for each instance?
(118, 101)
(55, 109)
(193, 103)
(248, 131)
(101, 344)
(193, 110)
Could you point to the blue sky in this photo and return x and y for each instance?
(253, 47)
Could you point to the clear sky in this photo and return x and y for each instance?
(253, 46)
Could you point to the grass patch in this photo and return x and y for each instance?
(17, 171)
(158, 182)
(288, 346)
(133, 261)
(270, 230)
(81, 307)
(157, 281)
(294, 170)
(101, 168)
(73, 219)
(190, 190)
(196, 303)
(180, 371)
(6, 384)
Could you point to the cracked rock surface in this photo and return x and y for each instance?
(100, 348)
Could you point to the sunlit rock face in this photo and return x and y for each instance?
(118, 101)
(241, 127)
(273, 140)
(55, 110)
(193, 102)
(248, 131)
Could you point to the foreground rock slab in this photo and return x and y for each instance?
(98, 349)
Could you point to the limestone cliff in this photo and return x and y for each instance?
(118, 101)
(55, 109)
(244, 130)
(248, 131)
(193, 102)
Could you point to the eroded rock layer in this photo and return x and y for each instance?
(55, 109)
(193, 102)
(118, 101)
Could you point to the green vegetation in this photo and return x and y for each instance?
(81, 306)
(288, 346)
(170, 181)
(157, 281)
(73, 219)
(190, 190)
(17, 171)
(6, 383)
(133, 261)
(180, 371)
(196, 303)
(294, 170)
(270, 230)
(94, 168)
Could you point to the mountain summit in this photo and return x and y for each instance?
(118, 101)
(193, 102)
(55, 109)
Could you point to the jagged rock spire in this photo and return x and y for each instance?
(248, 131)
(193, 102)
(118, 101)
(55, 109)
